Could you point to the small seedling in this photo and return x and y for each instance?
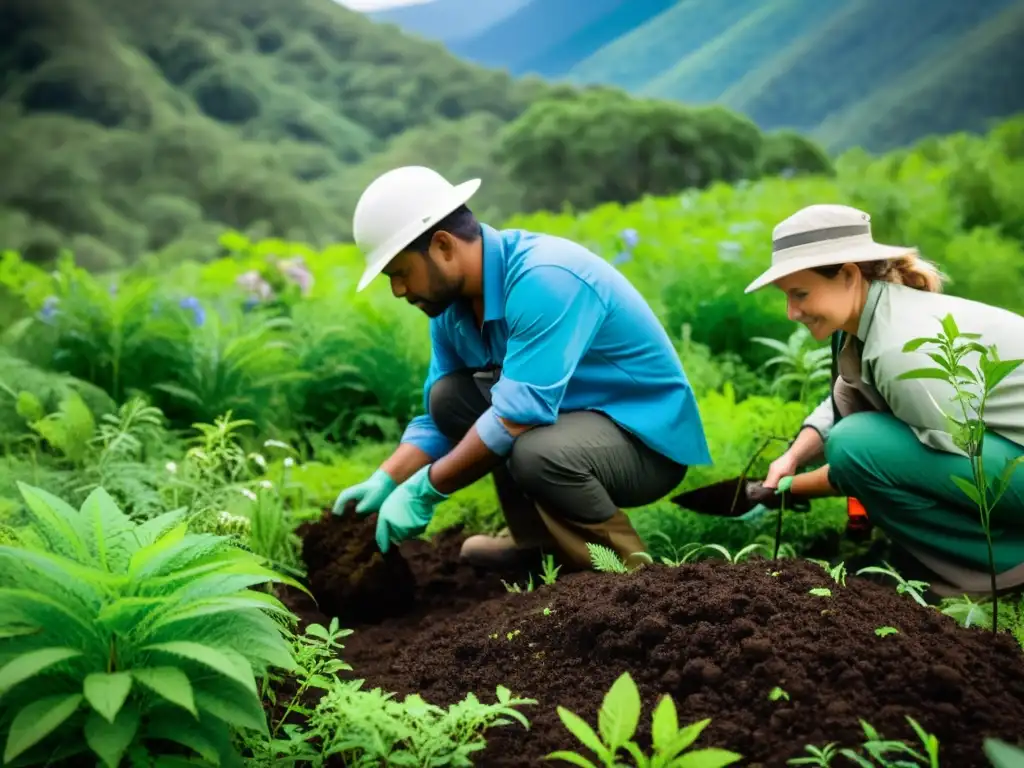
(617, 721)
(882, 750)
(549, 571)
(912, 587)
(821, 592)
(778, 694)
(971, 390)
(838, 572)
(821, 757)
(516, 588)
(886, 631)
(725, 553)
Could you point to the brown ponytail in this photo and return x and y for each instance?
(909, 270)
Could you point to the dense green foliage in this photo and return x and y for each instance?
(128, 130)
(164, 429)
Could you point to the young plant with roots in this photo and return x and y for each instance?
(971, 390)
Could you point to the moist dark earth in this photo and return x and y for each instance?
(717, 637)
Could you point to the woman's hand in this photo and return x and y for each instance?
(784, 466)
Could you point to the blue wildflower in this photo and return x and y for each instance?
(192, 304)
(630, 237)
(49, 309)
(621, 257)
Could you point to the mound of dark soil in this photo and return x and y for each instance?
(717, 637)
(348, 574)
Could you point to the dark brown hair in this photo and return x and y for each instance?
(910, 270)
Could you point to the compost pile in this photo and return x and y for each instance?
(719, 638)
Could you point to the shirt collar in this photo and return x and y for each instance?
(867, 315)
(494, 264)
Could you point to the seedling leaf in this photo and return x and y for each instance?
(620, 713)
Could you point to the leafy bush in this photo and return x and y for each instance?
(120, 638)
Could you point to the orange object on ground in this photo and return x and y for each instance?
(858, 524)
(854, 508)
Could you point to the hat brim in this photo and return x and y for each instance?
(851, 255)
(380, 258)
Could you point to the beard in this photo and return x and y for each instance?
(442, 292)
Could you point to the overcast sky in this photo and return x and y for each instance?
(377, 5)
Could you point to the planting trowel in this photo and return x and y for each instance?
(722, 500)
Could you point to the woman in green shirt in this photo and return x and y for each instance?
(884, 439)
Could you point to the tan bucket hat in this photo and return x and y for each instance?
(822, 236)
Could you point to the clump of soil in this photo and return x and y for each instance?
(347, 573)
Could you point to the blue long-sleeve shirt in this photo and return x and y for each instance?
(570, 333)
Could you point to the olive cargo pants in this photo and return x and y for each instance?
(564, 484)
(908, 492)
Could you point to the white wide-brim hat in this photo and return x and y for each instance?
(399, 206)
(823, 236)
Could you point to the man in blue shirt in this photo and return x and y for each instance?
(548, 370)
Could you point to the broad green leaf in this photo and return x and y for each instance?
(924, 373)
(170, 683)
(148, 553)
(217, 605)
(244, 712)
(664, 724)
(949, 327)
(30, 664)
(686, 736)
(57, 515)
(579, 728)
(712, 757)
(968, 487)
(1002, 754)
(186, 734)
(151, 530)
(210, 657)
(999, 371)
(38, 720)
(619, 714)
(125, 613)
(106, 692)
(572, 758)
(915, 344)
(107, 529)
(84, 581)
(24, 606)
(110, 740)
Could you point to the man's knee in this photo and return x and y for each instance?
(538, 460)
(454, 403)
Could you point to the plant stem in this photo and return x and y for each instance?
(750, 464)
(778, 528)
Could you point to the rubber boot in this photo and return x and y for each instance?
(521, 543)
(616, 533)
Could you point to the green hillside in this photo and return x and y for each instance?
(723, 60)
(936, 91)
(129, 130)
(641, 55)
(126, 127)
(810, 66)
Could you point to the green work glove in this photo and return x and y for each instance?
(755, 514)
(370, 494)
(407, 512)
